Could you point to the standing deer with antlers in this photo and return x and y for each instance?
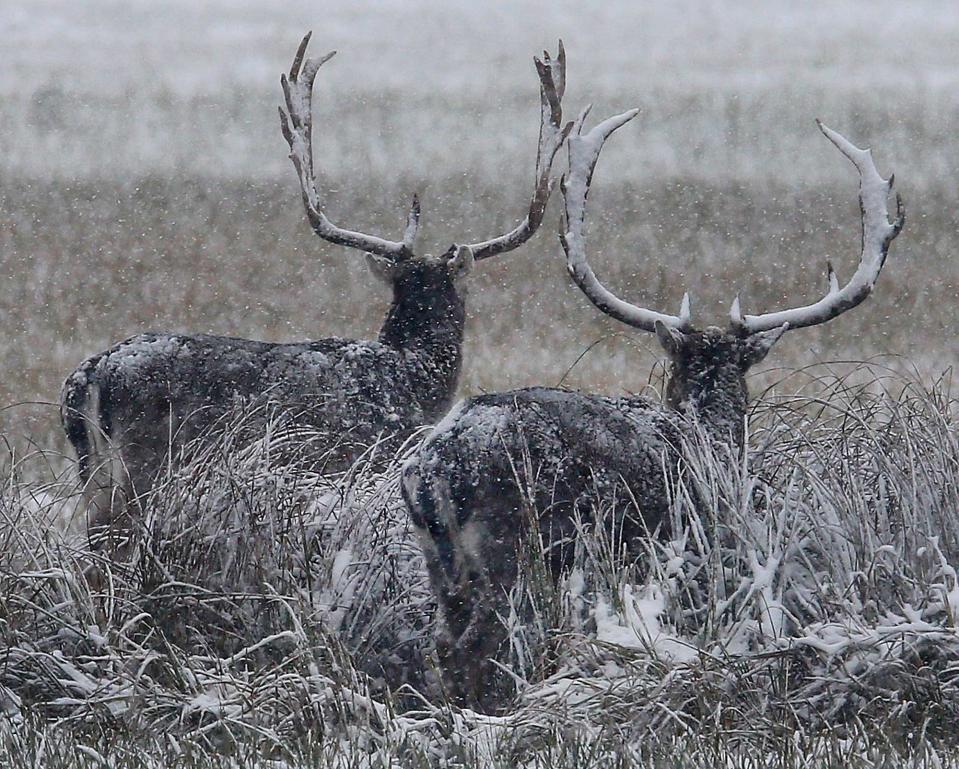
(503, 466)
(130, 409)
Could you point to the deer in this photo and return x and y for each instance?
(130, 410)
(504, 467)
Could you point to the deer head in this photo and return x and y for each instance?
(395, 262)
(708, 367)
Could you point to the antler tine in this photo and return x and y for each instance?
(300, 53)
(877, 233)
(296, 122)
(583, 154)
(552, 134)
(412, 224)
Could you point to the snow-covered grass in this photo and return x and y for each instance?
(118, 88)
(144, 184)
(800, 611)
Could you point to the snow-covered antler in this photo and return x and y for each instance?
(296, 120)
(583, 154)
(877, 233)
(552, 134)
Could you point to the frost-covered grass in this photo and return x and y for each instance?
(144, 184)
(800, 612)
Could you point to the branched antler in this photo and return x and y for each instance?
(296, 122)
(552, 134)
(877, 233)
(583, 155)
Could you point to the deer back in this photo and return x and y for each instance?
(153, 394)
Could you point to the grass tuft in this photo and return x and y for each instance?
(799, 610)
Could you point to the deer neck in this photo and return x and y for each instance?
(429, 334)
(720, 410)
(723, 420)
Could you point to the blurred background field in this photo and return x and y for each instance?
(144, 182)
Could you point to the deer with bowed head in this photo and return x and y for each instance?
(501, 467)
(131, 409)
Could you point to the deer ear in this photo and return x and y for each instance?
(461, 263)
(756, 346)
(381, 267)
(670, 338)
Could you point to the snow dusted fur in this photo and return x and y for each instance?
(131, 410)
(545, 460)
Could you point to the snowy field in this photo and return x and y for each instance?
(144, 184)
(119, 89)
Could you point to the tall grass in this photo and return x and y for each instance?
(801, 611)
(800, 608)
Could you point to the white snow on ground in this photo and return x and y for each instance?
(193, 48)
(114, 87)
(640, 627)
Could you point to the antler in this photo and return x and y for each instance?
(296, 122)
(583, 154)
(552, 134)
(877, 233)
